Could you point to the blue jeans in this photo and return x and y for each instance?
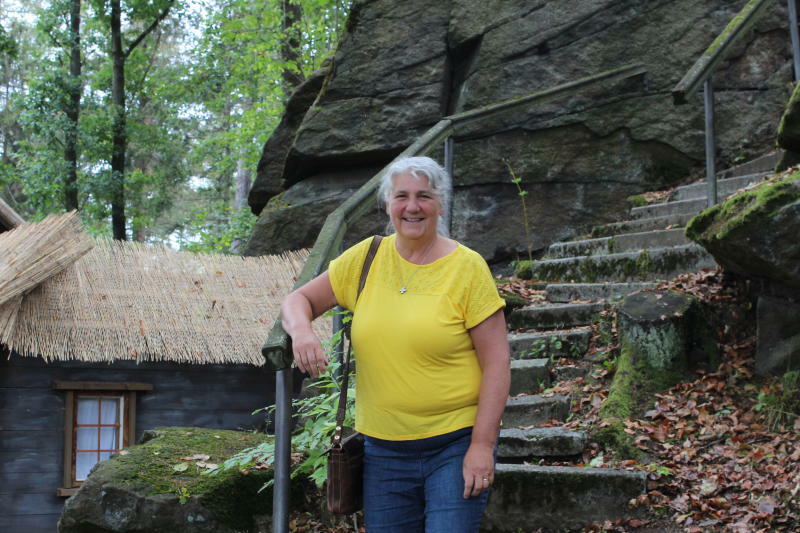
(417, 486)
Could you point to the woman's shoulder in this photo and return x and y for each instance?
(468, 254)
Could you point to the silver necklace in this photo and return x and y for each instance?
(404, 284)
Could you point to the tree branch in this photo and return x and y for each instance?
(150, 28)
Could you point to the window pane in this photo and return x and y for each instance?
(104, 455)
(87, 439)
(110, 411)
(109, 439)
(88, 410)
(83, 463)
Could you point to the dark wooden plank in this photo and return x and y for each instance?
(31, 503)
(31, 461)
(39, 523)
(205, 419)
(25, 377)
(100, 385)
(239, 398)
(38, 398)
(51, 440)
(44, 482)
(27, 419)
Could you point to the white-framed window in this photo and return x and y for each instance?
(98, 430)
(99, 420)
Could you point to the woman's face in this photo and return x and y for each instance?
(412, 207)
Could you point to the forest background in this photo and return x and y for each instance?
(149, 116)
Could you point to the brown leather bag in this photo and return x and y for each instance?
(345, 486)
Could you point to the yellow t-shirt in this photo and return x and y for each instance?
(417, 371)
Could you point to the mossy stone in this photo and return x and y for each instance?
(755, 232)
(145, 489)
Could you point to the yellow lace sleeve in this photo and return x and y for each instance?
(345, 271)
(482, 298)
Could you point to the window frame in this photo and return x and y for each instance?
(74, 390)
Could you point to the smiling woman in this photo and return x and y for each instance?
(433, 362)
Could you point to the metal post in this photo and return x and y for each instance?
(338, 325)
(711, 147)
(793, 31)
(283, 447)
(448, 165)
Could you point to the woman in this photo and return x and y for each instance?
(433, 361)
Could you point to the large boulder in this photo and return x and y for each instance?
(402, 66)
(161, 486)
(755, 231)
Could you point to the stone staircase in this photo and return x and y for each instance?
(581, 279)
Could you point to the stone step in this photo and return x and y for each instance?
(568, 372)
(534, 410)
(619, 243)
(765, 163)
(558, 498)
(641, 225)
(550, 344)
(569, 292)
(681, 207)
(540, 442)
(647, 265)
(529, 375)
(725, 187)
(553, 316)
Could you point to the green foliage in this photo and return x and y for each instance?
(517, 181)
(203, 93)
(313, 435)
(781, 402)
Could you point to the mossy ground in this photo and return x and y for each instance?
(748, 207)
(149, 469)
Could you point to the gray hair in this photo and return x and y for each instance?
(420, 166)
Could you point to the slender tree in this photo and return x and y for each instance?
(73, 107)
(119, 137)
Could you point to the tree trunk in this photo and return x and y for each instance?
(290, 51)
(73, 109)
(119, 139)
(240, 200)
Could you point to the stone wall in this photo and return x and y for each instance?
(402, 66)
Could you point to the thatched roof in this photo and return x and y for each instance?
(8, 217)
(32, 253)
(136, 302)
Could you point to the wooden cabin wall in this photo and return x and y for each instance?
(32, 420)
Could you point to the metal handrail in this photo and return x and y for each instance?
(708, 62)
(277, 348)
(701, 74)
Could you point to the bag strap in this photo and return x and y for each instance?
(342, 407)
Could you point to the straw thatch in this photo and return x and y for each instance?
(136, 302)
(31, 253)
(8, 217)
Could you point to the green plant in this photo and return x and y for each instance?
(517, 181)
(781, 402)
(317, 415)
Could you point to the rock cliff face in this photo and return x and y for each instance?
(402, 66)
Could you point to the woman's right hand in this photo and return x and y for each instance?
(308, 353)
(298, 310)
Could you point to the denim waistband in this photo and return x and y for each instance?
(428, 443)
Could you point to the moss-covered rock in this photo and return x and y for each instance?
(162, 485)
(789, 128)
(755, 232)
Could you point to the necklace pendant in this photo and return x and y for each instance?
(403, 290)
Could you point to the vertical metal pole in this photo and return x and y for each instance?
(711, 146)
(338, 325)
(795, 34)
(448, 165)
(283, 447)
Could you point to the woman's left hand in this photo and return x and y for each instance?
(478, 469)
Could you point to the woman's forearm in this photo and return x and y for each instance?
(492, 400)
